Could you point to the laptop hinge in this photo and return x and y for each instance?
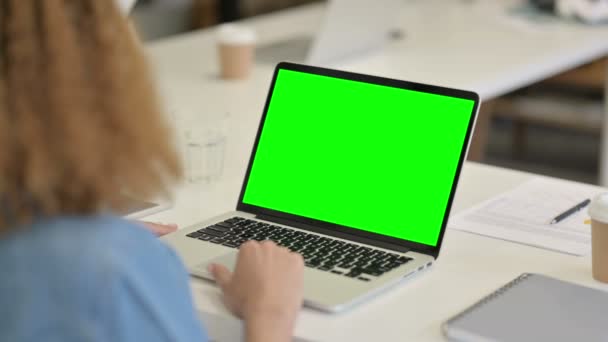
(334, 233)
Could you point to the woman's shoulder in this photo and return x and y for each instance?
(133, 283)
(102, 240)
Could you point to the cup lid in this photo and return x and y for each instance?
(235, 34)
(598, 210)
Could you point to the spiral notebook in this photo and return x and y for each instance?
(535, 308)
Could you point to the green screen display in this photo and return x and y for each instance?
(370, 157)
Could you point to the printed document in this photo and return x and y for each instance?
(523, 215)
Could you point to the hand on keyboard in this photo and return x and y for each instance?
(323, 253)
(265, 288)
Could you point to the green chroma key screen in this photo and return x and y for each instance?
(370, 157)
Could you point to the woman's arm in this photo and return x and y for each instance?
(159, 229)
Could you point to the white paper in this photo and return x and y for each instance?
(524, 214)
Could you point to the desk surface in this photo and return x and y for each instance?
(469, 266)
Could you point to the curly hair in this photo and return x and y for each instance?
(80, 125)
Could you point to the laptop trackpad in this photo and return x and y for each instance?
(228, 260)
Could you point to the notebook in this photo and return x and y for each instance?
(534, 307)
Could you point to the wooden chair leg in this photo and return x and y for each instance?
(480, 133)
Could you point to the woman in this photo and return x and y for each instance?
(79, 126)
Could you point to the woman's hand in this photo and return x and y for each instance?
(159, 229)
(265, 289)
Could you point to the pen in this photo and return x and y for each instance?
(570, 211)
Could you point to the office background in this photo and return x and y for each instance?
(551, 128)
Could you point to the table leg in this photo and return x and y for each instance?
(603, 160)
(479, 140)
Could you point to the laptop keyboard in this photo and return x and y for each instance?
(319, 252)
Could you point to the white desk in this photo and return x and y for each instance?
(468, 267)
(480, 54)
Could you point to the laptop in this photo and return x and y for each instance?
(350, 28)
(355, 172)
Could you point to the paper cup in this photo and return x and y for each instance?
(236, 47)
(598, 210)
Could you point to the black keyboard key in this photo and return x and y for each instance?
(335, 260)
(330, 264)
(324, 268)
(356, 249)
(346, 265)
(212, 232)
(372, 271)
(316, 261)
(349, 250)
(230, 237)
(361, 263)
(335, 256)
(364, 279)
(225, 224)
(353, 274)
(384, 256)
(321, 255)
(296, 249)
(218, 240)
(337, 272)
(205, 237)
(194, 234)
(374, 267)
(348, 256)
(307, 255)
(387, 264)
(393, 265)
(219, 228)
(403, 259)
(375, 253)
(231, 244)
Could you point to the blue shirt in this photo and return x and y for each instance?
(93, 279)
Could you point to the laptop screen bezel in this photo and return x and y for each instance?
(354, 233)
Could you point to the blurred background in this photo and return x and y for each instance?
(551, 128)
